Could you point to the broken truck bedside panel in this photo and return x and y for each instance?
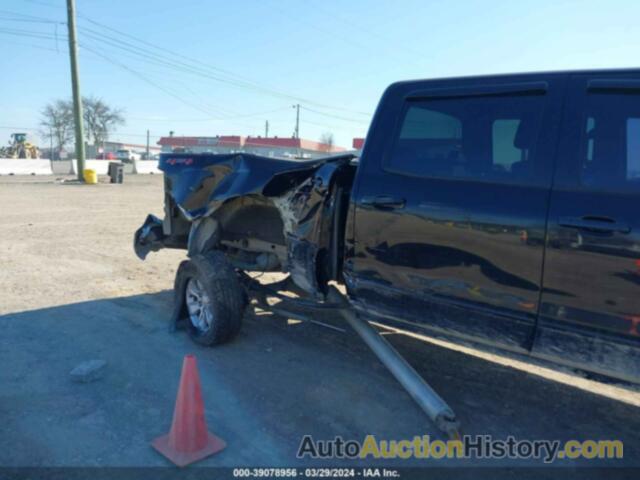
(268, 213)
(201, 183)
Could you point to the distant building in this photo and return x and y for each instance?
(266, 146)
(358, 143)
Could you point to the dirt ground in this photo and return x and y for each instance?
(71, 289)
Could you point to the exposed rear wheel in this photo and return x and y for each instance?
(198, 306)
(214, 300)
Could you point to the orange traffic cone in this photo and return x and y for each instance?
(189, 440)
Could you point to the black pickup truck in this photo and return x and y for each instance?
(498, 210)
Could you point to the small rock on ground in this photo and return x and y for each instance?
(88, 371)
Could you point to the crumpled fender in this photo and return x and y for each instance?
(203, 236)
(149, 237)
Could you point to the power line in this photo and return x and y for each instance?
(145, 55)
(162, 49)
(188, 120)
(241, 81)
(334, 116)
(238, 79)
(24, 15)
(200, 69)
(159, 60)
(156, 85)
(156, 59)
(309, 122)
(167, 91)
(29, 33)
(27, 20)
(323, 125)
(141, 55)
(39, 47)
(144, 78)
(147, 80)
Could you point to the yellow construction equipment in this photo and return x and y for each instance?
(19, 147)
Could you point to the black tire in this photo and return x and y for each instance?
(213, 275)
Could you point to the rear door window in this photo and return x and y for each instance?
(503, 134)
(490, 138)
(633, 149)
(610, 147)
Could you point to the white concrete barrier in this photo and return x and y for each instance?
(12, 166)
(62, 167)
(147, 166)
(24, 166)
(100, 166)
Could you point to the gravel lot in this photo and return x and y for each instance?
(72, 290)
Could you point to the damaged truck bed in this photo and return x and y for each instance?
(265, 214)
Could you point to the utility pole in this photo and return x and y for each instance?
(75, 85)
(148, 158)
(266, 128)
(296, 133)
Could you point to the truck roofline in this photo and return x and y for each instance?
(506, 75)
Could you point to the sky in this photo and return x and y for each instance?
(212, 67)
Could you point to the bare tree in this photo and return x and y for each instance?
(100, 119)
(57, 123)
(327, 141)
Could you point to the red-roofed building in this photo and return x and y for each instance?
(267, 146)
(201, 144)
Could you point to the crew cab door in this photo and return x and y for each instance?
(590, 315)
(450, 206)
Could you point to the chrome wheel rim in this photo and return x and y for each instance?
(199, 306)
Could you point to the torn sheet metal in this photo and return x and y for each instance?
(200, 183)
